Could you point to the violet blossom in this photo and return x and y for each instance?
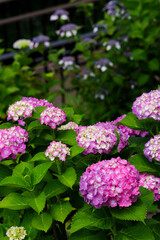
(59, 14)
(57, 149)
(68, 30)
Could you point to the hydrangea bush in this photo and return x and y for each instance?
(52, 178)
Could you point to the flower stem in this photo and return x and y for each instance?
(58, 166)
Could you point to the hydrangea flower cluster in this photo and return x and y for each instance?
(57, 149)
(24, 108)
(103, 63)
(152, 149)
(59, 14)
(152, 183)
(125, 133)
(41, 39)
(67, 30)
(52, 117)
(110, 183)
(16, 233)
(12, 141)
(147, 105)
(68, 63)
(22, 43)
(100, 27)
(96, 139)
(111, 43)
(71, 125)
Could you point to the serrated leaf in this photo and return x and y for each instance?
(39, 157)
(68, 111)
(60, 210)
(142, 164)
(75, 150)
(140, 232)
(77, 118)
(68, 178)
(36, 202)
(14, 201)
(86, 217)
(4, 172)
(39, 172)
(67, 136)
(136, 212)
(42, 221)
(54, 188)
(88, 235)
(27, 220)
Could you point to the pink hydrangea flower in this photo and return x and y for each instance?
(152, 183)
(110, 183)
(57, 149)
(53, 117)
(24, 108)
(68, 126)
(12, 142)
(147, 105)
(97, 139)
(152, 149)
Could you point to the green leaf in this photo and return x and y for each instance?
(39, 172)
(60, 210)
(68, 111)
(68, 178)
(6, 125)
(140, 232)
(146, 196)
(37, 125)
(15, 181)
(39, 157)
(11, 217)
(143, 79)
(87, 217)
(42, 222)
(54, 188)
(4, 172)
(38, 111)
(88, 235)
(136, 212)
(67, 136)
(75, 150)
(142, 164)
(14, 201)
(139, 54)
(27, 220)
(22, 169)
(37, 203)
(154, 64)
(77, 118)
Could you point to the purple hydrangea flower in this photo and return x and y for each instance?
(53, 117)
(110, 183)
(41, 39)
(152, 149)
(96, 139)
(68, 63)
(152, 183)
(57, 149)
(12, 142)
(67, 30)
(111, 43)
(59, 14)
(100, 27)
(103, 63)
(147, 105)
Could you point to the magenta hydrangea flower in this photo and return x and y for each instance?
(152, 183)
(152, 149)
(125, 133)
(110, 183)
(24, 108)
(57, 149)
(71, 125)
(147, 105)
(12, 142)
(53, 117)
(96, 139)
